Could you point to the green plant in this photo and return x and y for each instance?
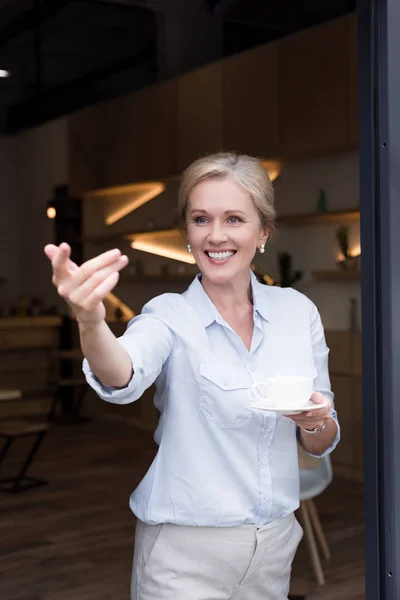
(342, 236)
(287, 276)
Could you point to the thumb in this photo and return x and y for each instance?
(317, 398)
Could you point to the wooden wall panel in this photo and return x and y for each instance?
(87, 148)
(356, 353)
(358, 423)
(251, 102)
(314, 89)
(156, 131)
(200, 114)
(353, 78)
(339, 344)
(344, 452)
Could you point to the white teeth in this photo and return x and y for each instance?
(220, 255)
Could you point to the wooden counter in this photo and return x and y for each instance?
(28, 354)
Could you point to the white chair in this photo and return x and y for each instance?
(315, 477)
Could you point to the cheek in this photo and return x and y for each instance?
(194, 235)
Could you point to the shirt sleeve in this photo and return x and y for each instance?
(322, 382)
(149, 343)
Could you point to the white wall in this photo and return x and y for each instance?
(314, 247)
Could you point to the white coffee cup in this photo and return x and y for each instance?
(287, 391)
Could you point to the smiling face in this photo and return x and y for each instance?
(223, 229)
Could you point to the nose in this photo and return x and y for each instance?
(217, 234)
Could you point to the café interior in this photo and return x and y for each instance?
(106, 175)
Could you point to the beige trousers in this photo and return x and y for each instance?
(214, 563)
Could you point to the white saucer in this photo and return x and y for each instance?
(288, 409)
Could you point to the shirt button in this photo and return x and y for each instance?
(225, 381)
(252, 368)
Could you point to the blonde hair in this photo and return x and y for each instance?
(247, 171)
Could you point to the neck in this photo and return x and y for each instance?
(232, 295)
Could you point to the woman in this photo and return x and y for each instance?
(216, 508)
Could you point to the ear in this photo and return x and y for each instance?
(265, 236)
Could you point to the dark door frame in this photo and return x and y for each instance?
(379, 126)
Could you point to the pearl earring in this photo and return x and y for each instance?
(262, 248)
(189, 248)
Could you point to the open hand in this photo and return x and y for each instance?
(85, 287)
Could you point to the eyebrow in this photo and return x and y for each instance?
(226, 212)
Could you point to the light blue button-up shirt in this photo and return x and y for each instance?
(220, 462)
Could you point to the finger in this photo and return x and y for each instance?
(60, 259)
(317, 414)
(62, 265)
(101, 291)
(94, 264)
(317, 398)
(50, 250)
(79, 295)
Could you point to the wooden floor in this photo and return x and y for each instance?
(73, 539)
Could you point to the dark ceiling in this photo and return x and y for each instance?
(66, 54)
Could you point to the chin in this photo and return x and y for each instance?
(220, 275)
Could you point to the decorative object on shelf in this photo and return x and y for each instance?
(263, 277)
(322, 205)
(354, 315)
(36, 307)
(342, 236)
(287, 277)
(118, 314)
(347, 259)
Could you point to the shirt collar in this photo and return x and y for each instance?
(199, 299)
(261, 298)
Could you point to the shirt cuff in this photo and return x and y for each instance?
(125, 395)
(332, 446)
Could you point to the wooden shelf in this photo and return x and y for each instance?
(337, 275)
(127, 235)
(157, 279)
(313, 218)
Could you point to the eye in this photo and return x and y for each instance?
(200, 220)
(234, 219)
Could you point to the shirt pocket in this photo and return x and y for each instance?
(224, 396)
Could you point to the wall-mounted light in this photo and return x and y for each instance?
(51, 212)
(273, 168)
(170, 244)
(4, 73)
(121, 200)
